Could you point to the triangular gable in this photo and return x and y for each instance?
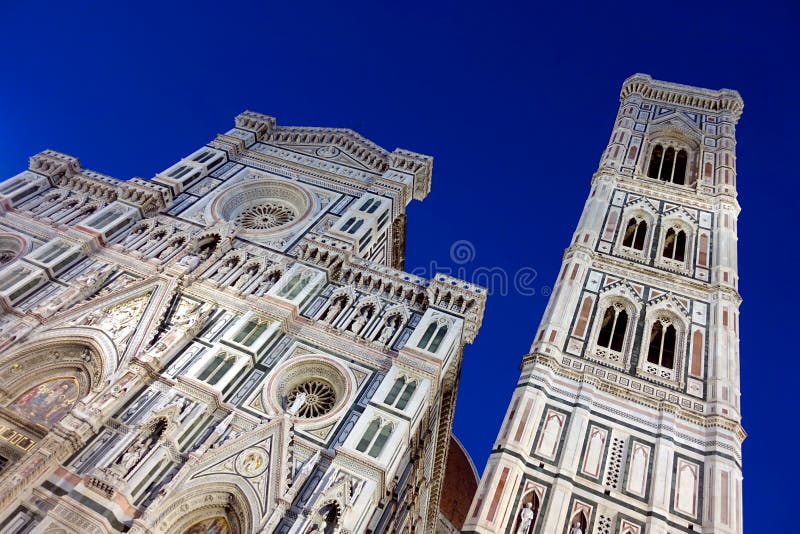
(678, 121)
(126, 315)
(255, 459)
(328, 153)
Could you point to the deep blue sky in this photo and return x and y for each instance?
(514, 101)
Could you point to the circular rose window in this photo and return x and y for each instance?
(319, 398)
(265, 216)
(263, 206)
(323, 385)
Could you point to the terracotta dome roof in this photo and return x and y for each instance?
(460, 484)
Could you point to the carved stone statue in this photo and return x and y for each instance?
(526, 516)
(388, 331)
(224, 269)
(298, 402)
(333, 311)
(132, 455)
(359, 322)
(191, 261)
(576, 529)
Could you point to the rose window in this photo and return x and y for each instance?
(265, 216)
(320, 398)
(263, 206)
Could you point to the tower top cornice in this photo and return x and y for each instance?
(715, 100)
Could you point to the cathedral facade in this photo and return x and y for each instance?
(626, 415)
(231, 346)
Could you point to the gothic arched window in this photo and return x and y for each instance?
(380, 441)
(635, 234)
(395, 391)
(668, 165)
(663, 338)
(368, 436)
(438, 338)
(356, 226)
(250, 332)
(406, 396)
(674, 245)
(426, 337)
(218, 361)
(346, 226)
(613, 328)
(655, 161)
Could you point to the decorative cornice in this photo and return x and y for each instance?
(683, 95)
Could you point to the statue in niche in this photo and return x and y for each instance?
(576, 529)
(132, 456)
(187, 319)
(268, 280)
(224, 269)
(526, 517)
(140, 447)
(191, 261)
(333, 310)
(360, 320)
(388, 330)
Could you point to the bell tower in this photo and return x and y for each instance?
(626, 416)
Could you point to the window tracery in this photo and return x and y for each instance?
(662, 348)
(265, 216)
(670, 161)
(320, 398)
(635, 234)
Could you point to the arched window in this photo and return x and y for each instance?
(668, 165)
(437, 339)
(374, 206)
(681, 160)
(380, 441)
(368, 436)
(395, 391)
(348, 224)
(182, 168)
(675, 245)
(635, 234)
(655, 161)
(250, 332)
(613, 328)
(218, 361)
(356, 226)
(221, 371)
(365, 206)
(661, 350)
(406, 396)
(426, 337)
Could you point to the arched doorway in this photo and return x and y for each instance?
(212, 525)
(40, 384)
